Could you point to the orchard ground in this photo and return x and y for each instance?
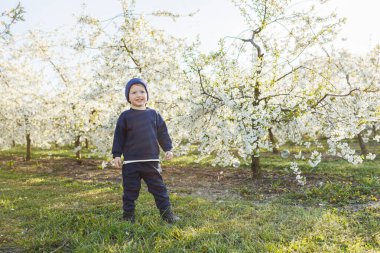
(52, 203)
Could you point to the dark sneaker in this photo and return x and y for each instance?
(129, 217)
(168, 216)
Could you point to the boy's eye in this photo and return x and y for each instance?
(135, 92)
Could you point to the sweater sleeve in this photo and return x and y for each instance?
(162, 134)
(119, 138)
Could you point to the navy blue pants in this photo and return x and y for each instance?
(132, 175)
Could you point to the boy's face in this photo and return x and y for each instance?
(138, 96)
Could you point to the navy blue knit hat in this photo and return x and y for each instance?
(132, 82)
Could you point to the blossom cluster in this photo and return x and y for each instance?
(301, 180)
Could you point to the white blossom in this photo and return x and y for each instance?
(370, 156)
(301, 180)
(315, 158)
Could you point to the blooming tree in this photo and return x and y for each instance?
(133, 49)
(23, 104)
(349, 107)
(84, 78)
(235, 96)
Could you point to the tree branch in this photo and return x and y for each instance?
(130, 53)
(335, 95)
(203, 89)
(290, 72)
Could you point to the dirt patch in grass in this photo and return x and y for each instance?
(211, 183)
(208, 182)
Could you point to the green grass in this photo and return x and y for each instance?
(40, 213)
(53, 152)
(43, 213)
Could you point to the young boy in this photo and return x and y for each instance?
(138, 134)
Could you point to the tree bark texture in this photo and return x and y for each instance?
(363, 148)
(273, 141)
(28, 147)
(255, 167)
(78, 154)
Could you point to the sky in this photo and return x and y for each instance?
(215, 18)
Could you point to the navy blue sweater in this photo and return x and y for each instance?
(138, 135)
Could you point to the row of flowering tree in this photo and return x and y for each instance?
(72, 89)
(276, 77)
(278, 81)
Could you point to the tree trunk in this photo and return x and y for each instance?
(86, 142)
(273, 140)
(374, 130)
(78, 154)
(13, 143)
(28, 152)
(363, 148)
(255, 167)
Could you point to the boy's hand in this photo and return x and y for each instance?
(117, 162)
(168, 155)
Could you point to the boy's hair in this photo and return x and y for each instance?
(132, 82)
